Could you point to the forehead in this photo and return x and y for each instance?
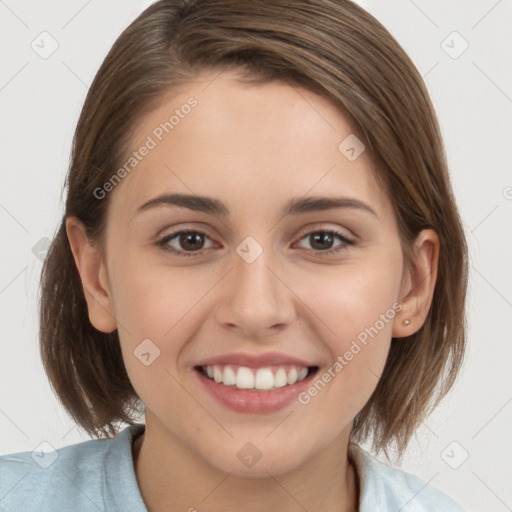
(262, 144)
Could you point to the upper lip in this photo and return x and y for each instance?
(254, 360)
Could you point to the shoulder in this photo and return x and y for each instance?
(384, 488)
(67, 477)
(70, 478)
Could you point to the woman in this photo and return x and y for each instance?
(261, 251)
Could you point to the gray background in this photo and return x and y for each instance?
(465, 446)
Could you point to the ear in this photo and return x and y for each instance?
(418, 285)
(93, 274)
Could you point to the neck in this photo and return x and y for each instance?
(170, 476)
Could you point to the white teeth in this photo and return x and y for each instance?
(292, 376)
(229, 378)
(280, 378)
(244, 378)
(302, 374)
(217, 374)
(261, 379)
(264, 379)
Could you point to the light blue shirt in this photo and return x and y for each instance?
(98, 475)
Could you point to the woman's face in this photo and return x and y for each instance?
(262, 293)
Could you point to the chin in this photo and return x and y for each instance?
(248, 461)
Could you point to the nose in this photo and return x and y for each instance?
(256, 300)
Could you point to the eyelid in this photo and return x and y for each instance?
(343, 232)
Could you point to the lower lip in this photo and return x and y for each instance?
(256, 402)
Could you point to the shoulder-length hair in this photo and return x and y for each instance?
(331, 47)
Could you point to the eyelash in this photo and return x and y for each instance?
(163, 242)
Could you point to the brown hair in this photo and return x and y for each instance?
(332, 47)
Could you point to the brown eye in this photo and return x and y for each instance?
(186, 243)
(322, 241)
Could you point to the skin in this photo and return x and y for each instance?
(254, 147)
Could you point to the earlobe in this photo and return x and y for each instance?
(418, 288)
(93, 274)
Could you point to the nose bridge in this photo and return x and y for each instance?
(256, 298)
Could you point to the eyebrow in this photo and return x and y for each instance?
(213, 206)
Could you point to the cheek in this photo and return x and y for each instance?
(358, 305)
(152, 298)
(154, 302)
(355, 297)
(158, 308)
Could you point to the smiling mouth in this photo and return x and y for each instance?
(256, 379)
